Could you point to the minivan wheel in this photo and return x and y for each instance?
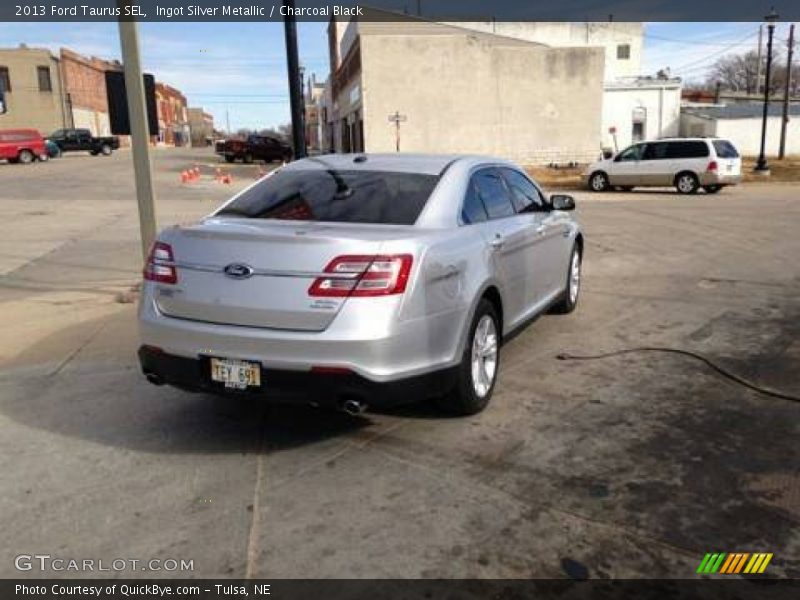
(712, 189)
(572, 290)
(687, 183)
(477, 372)
(598, 182)
(26, 157)
(105, 150)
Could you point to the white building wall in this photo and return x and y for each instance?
(606, 35)
(746, 135)
(483, 95)
(661, 107)
(96, 122)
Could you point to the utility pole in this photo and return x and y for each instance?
(761, 164)
(228, 121)
(140, 130)
(295, 85)
(758, 60)
(786, 91)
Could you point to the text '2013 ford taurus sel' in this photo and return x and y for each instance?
(355, 280)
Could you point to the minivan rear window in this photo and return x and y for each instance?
(384, 197)
(725, 149)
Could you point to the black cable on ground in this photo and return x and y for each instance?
(709, 363)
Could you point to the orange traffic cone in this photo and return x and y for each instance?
(184, 177)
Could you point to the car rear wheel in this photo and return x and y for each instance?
(25, 157)
(572, 290)
(477, 372)
(598, 182)
(712, 189)
(686, 183)
(105, 150)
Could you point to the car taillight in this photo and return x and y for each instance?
(364, 276)
(712, 166)
(159, 265)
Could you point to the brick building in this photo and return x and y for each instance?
(85, 89)
(173, 118)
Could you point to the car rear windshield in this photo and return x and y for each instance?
(725, 149)
(336, 196)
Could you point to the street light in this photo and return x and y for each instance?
(761, 165)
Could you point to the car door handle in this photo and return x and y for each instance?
(497, 242)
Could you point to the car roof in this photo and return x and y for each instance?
(429, 164)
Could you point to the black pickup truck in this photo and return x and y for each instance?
(81, 140)
(255, 147)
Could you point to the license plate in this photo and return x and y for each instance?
(236, 374)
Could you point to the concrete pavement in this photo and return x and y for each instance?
(632, 466)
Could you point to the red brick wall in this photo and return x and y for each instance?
(85, 81)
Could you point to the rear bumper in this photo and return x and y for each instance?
(365, 338)
(324, 389)
(711, 178)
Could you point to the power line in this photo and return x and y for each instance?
(717, 53)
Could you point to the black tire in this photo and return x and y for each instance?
(712, 189)
(598, 182)
(105, 150)
(229, 158)
(26, 157)
(568, 302)
(93, 152)
(686, 182)
(463, 399)
(248, 158)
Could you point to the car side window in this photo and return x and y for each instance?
(655, 151)
(629, 154)
(473, 210)
(493, 193)
(687, 149)
(524, 194)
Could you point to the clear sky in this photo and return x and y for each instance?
(241, 68)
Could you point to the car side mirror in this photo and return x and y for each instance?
(607, 154)
(562, 202)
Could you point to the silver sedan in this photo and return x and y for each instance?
(359, 280)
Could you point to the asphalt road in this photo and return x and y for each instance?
(631, 466)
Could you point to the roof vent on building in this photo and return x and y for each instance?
(360, 158)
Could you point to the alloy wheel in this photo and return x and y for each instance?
(484, 356)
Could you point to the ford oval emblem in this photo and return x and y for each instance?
(239, 271)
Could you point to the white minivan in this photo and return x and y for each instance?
(686, 163)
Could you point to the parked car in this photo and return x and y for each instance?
(255, 147)
(22, 145)
(81, 140)
(359, 280)
(686, 163)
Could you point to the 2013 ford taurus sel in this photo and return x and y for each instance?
(355, 280)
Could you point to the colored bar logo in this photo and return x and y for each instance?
(734, 563)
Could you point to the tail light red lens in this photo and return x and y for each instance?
(361, 275)
(159, 266)
(712, 166)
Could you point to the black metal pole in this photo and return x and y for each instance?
(761, 165)
(786, 92)
(295, 89)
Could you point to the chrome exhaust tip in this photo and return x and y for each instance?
(154, 379)
(353, 407)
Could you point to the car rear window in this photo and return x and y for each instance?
(384, 197)
(725, 149)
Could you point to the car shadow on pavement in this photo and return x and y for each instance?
(89, 386)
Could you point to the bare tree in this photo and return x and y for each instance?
(738, 72)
